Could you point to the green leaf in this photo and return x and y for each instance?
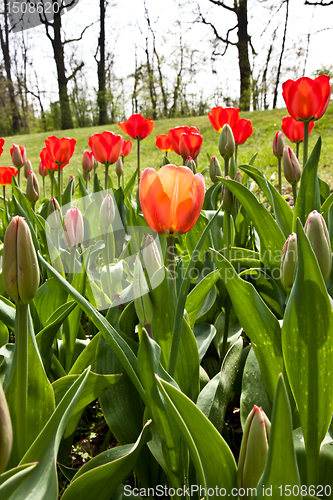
(49, 297)
(214, 463)
(7, 312)
(253, 390)
(117, 343)
(308, 197)
(215, 396)
(101, 476)
(281, 466)
(307, 344)
(259, 323)
(204, 334)
(12, 479)
(197, 296)
(272, 238)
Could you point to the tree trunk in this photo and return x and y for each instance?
(6, 56)
(151, 83)
(243, 56)
(101, 96)
(278, 74)
(58, 49)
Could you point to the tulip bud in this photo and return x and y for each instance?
(71, 176)
(316, 230)
(238, 177)
(142, 300)
(107, 211)
(228, 198)
(32, 190)
(54, 217)
(190, 163)
(95, 163)
(42, 170)
(18, 156)
(119, 167)
(86, 175)
(6, 432)
(214, 169)
(87, 161)
(291, 168)
(27, 168)
(151, 256)
(226, 142)
(288, 262)
(20, 271)
(73, 228)
(254, 449)
(278, 144)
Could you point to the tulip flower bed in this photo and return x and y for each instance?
(185, 331)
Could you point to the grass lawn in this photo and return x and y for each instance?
(265, 124)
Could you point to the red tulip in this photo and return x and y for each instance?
(163, 143)
(127, 148)
(18, 155)
(175, 133)
(42, 169)
(6, 174)
(60, 150)
(242, 130)
(106, 147)
(87, 160)
(47, 161)
(293, 129)
(220, 116)
(2, 142)
(137, 126)
(190, 145)
(171, 199)
(307, 99)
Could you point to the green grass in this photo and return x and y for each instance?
(265, 124)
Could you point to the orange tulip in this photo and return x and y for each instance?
(127, 148)
(60, 150)
(6, 174)
(2, 142)
(106, 147)
(171, 199)
(190, 145)
(163, 143)
(219, 116)
(293, 129)
(307, 99)
(137, 127)
(175, 133)
(242, 130)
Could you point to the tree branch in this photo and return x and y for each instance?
(315, 2)
(80, 66)
(222, 4)
(80, 37)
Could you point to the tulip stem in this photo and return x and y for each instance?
(72, 265)
(297, 150)
(4, 195)
(227, 308)
(107, 260)
(236, 151)
(43, 186)
(226, 167)
(59, 184)
(118, 182)
(171, 258)
(22, 376)
(280, 175)
(138, 159)
(107, 175)
(228, 227)
(19, 176)
(305, 143)
(52, 181)
(294, 186)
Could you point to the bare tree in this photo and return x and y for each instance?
(243, 42)
(101, 96)
(278, 74)
(323, 3)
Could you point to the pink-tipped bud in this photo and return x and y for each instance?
(190, 163)
(27, 168)
(54, 217)
(288, 262)
(20, 271)
(70, 179)
(73, 228)
(42, 170)
(238, 177)
(316, 230)
(18, 155)
(32, 190)
(278, 144)
(151, 256)
(254, 449)
(214, 169)
(87, 160)
(107, 212)
(291, 167)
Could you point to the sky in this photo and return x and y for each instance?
(127, 28)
